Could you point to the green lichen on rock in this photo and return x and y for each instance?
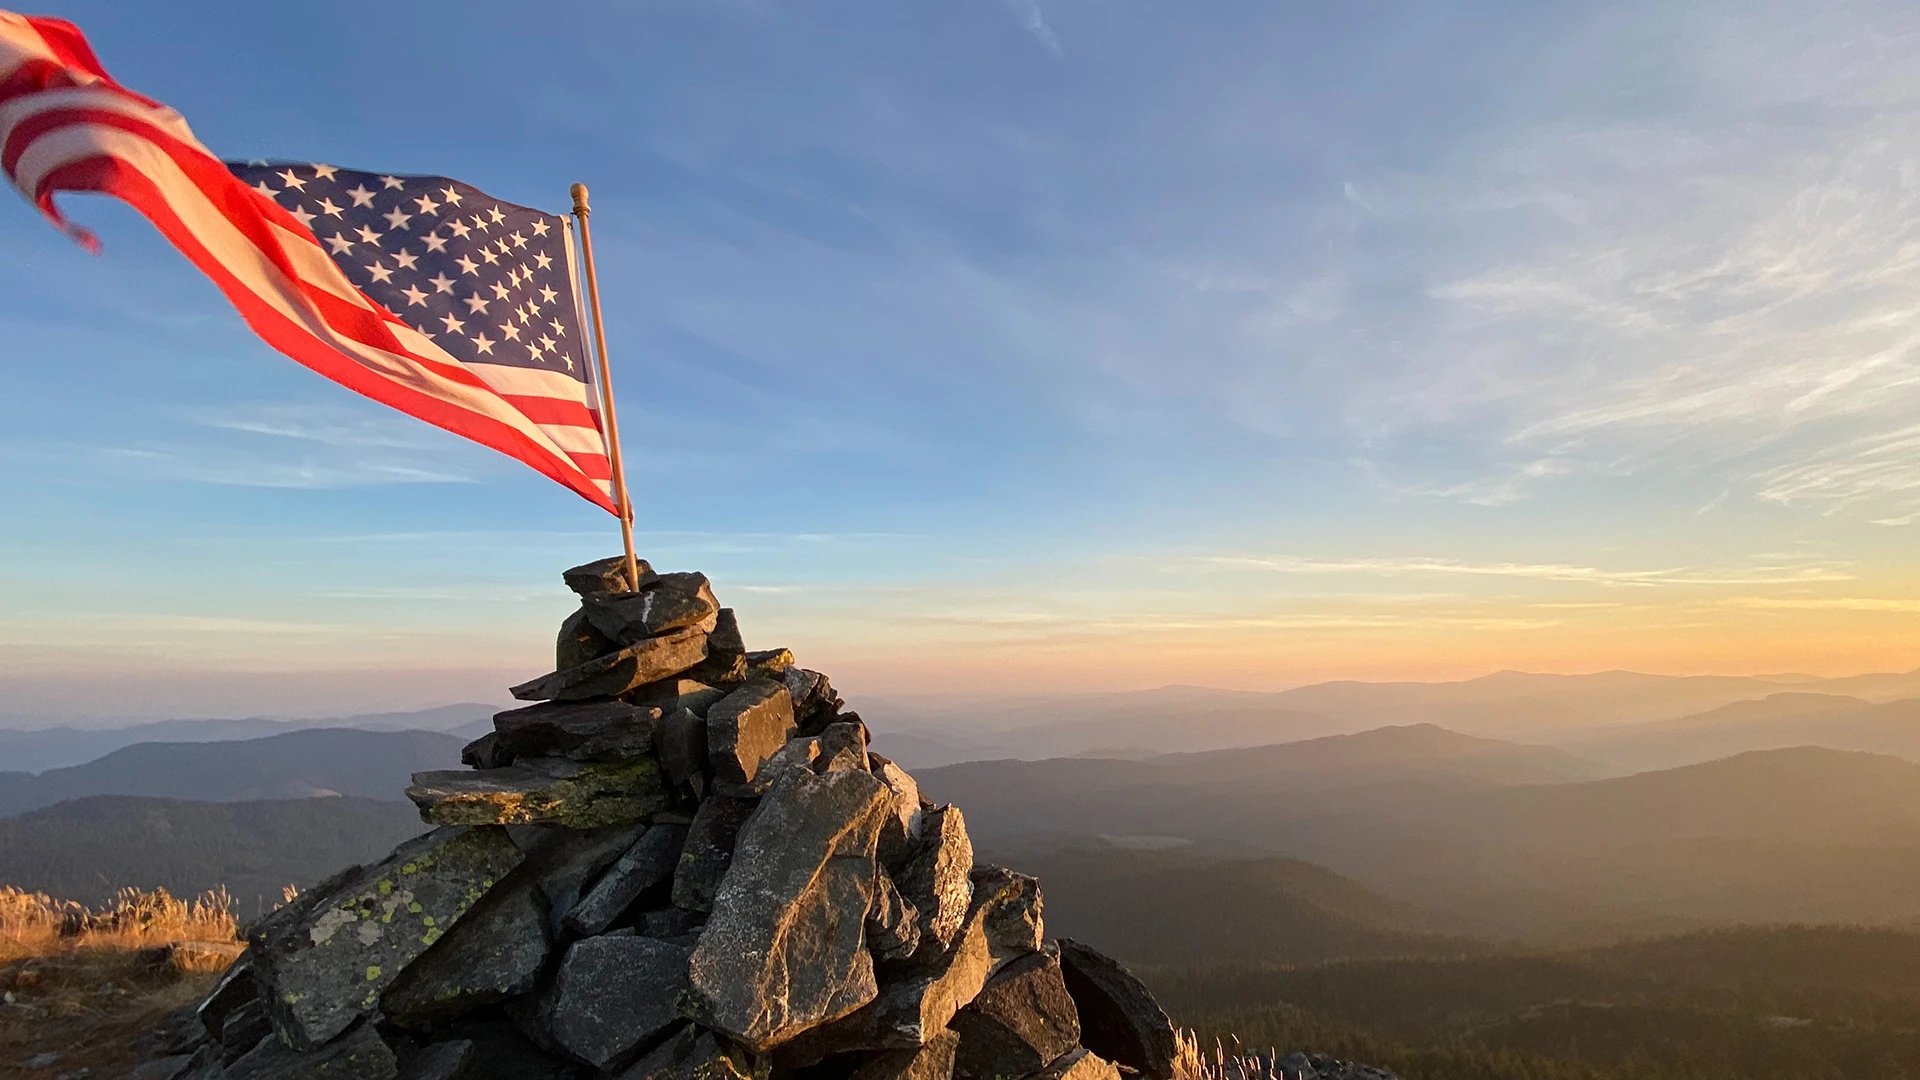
(574, 796)
(325, 959)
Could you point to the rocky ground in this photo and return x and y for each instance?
(103, 1013)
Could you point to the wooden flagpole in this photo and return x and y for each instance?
(580, 213)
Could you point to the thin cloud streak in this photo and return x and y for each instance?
(1407, 567)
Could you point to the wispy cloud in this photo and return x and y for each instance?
(1565, 572)
(1892, 606)
(1034, 21)
(325, 424)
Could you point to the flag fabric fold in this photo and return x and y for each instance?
(421, 293)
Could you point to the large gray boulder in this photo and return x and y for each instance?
(709, 850)
(543, 791)
(501, 948)
(904, 822)
(784, 950)
(578, 643)
(917, 1001)
(1015, 910)
(613, 995)
(616, 673)
(1119, 1019)
(667, 602)
(1023, 1020)
(648, 862)
(323, 961)
(744, 729)
(934, 877)
(608, 575)
(581, 730)
(681, 741)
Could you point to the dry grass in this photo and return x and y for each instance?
(1224, 1062)
(35, 924)
(99, 989)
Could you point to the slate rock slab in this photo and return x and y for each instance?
(1015, 910)
(744, 729)
(605, 576)
(323, 961)
(499, 951)
(670, 694)
(525, 792)
(814, 702)
(578, 642)
(613, 995)
(784, 949)
(769, 663)
(725, 635)
(681, 742)
(616, 673)
(580, 730)
(450, 1060)
(358, 1056)
(933, 1061)
(903, 825)
(648, 862)
(934, 879)
(1023, 1020)
(893, 930)
(708, 851)
(667, 602)
(692, 1054)
(1119, 1019)
(235, 988)
(723, 669)
(1079, 1065)
(914, 1004)
(486, 752)
(565, 862)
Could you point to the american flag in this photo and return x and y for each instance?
(417, 291)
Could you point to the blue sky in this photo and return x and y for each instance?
(1029, 344)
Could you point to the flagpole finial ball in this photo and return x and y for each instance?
(579, 198)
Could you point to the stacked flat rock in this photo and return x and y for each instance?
(681, 863)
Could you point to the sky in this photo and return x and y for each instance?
(1036, 345)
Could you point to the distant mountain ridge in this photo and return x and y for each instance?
(296, 764)
(39, 749)
(85, 849)
(1523, 706)
(1776, 722)
(1197, 795)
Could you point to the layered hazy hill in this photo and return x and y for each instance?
(1778, 721)
(85, 849)
(1227, 795)
(1384, 816)
(37, 749)
(1568, 710)
(295, 764)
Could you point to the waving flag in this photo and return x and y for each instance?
(419, 292)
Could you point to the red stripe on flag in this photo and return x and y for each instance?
(111, 176)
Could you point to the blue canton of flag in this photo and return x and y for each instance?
(489, 282)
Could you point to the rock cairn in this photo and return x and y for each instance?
(681, 863)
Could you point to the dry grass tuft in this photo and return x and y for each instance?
(35, 924)
(1193, 1061)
